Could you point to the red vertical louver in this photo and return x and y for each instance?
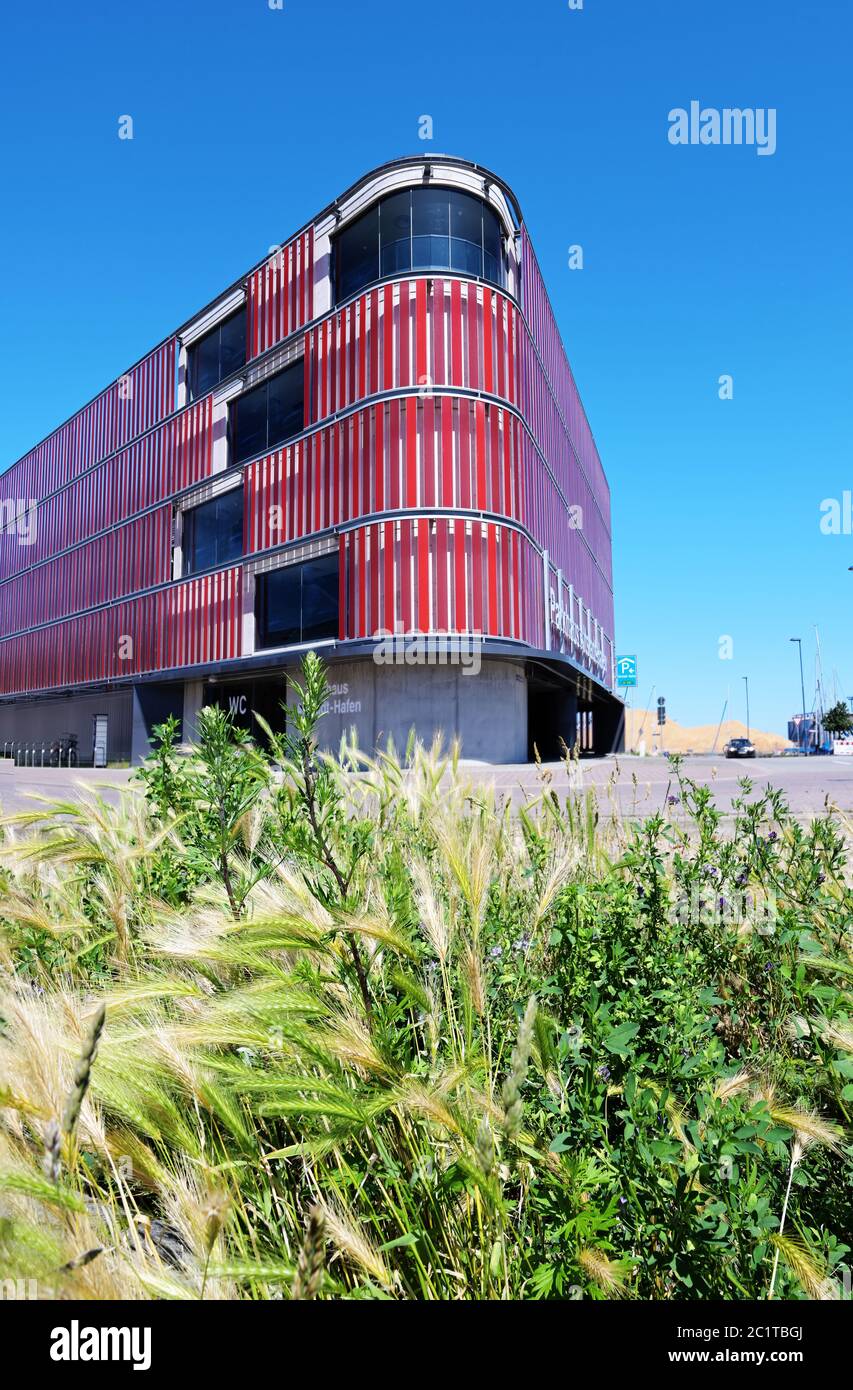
(280, 294)
(440, 574)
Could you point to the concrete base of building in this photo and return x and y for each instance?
(30, 726)
(509, 710)
(153, 703)
(486, 712)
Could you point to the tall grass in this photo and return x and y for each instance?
(289, 1026)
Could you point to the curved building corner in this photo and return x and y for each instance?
(371, 445)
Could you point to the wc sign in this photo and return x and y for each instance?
(626, 670)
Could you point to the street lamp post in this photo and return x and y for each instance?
(799, 643)
(746, 682)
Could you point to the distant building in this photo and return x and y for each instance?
(806, 731)
(376, 430)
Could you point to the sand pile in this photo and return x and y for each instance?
(678, 738)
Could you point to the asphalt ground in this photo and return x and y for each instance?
(639, 786)
(629, 785)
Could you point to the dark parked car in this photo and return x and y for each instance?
(740, 748)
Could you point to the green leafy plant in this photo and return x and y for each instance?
(363, 1032)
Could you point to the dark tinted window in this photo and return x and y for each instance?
(269, 414)
(430, 228)
(395, 222)
(286, 405)
(298, 603)
(357, 254)
(217, 354)
(204, 365)
(492, 248)
(280, 607)
(213, 532)
(466, 233)
(232, 344)
(320, 598)
(249, 414)
(419, 229)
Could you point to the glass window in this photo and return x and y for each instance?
(493, 257)
(269, 414)
(298, 603)
(204, 365)
(357, 254)
(232, 344)
(466, 234)
(286, 404)
(213, 532)
(430, 228)
(419, 229)
(219, 353)
(395, 227)
(279, 613)
(320, 598)
(249, 417)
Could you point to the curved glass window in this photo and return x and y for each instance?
(431, 229)
(395, 232)
(419, 229)
(357, 254)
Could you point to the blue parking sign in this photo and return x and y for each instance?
(626, 670)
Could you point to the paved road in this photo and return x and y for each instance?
(19, 785)
(636, 786)
(639, 786)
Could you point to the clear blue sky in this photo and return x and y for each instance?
(699, 261)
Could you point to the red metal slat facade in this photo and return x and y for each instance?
(280, 295)
(444, 452)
